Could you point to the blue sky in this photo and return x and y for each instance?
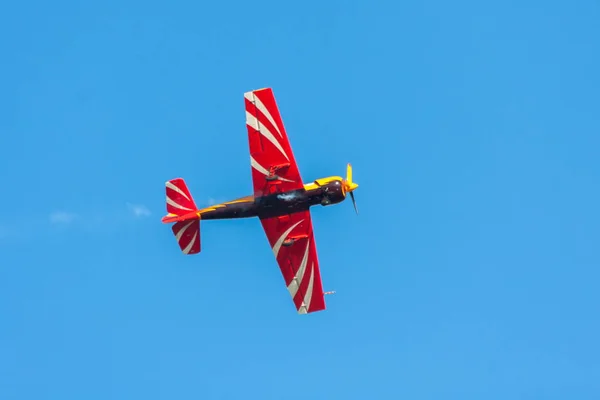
(471, 271)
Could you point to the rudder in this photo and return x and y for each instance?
(182, 210)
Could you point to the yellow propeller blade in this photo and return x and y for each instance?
(349, 186)
(349, 174)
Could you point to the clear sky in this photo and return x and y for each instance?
(471, 272)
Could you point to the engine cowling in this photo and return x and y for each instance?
(332, 193)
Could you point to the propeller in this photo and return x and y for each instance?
(350, 186)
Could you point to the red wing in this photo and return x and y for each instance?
(270, 151)
(293, 243)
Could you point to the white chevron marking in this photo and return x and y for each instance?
(253, 122)
(263, 170)
(295, 283)
(188, 248)
(175, 188)
(266, 113)
(279, 241)
(309, 291)
(182, 230)
(171, 202)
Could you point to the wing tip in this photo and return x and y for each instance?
(304, 310)
(250, 92)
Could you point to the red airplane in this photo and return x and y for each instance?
(281, 201)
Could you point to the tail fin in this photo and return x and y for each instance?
(179, 198)
(187, 234)
(182, 210)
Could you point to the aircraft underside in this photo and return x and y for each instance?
(275, 204)
(280, 199)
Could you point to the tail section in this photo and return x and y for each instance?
(182, 210)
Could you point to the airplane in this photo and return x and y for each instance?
(280, 200)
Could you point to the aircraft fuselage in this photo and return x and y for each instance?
(325, 192)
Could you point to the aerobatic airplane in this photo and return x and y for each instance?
(281, 201)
